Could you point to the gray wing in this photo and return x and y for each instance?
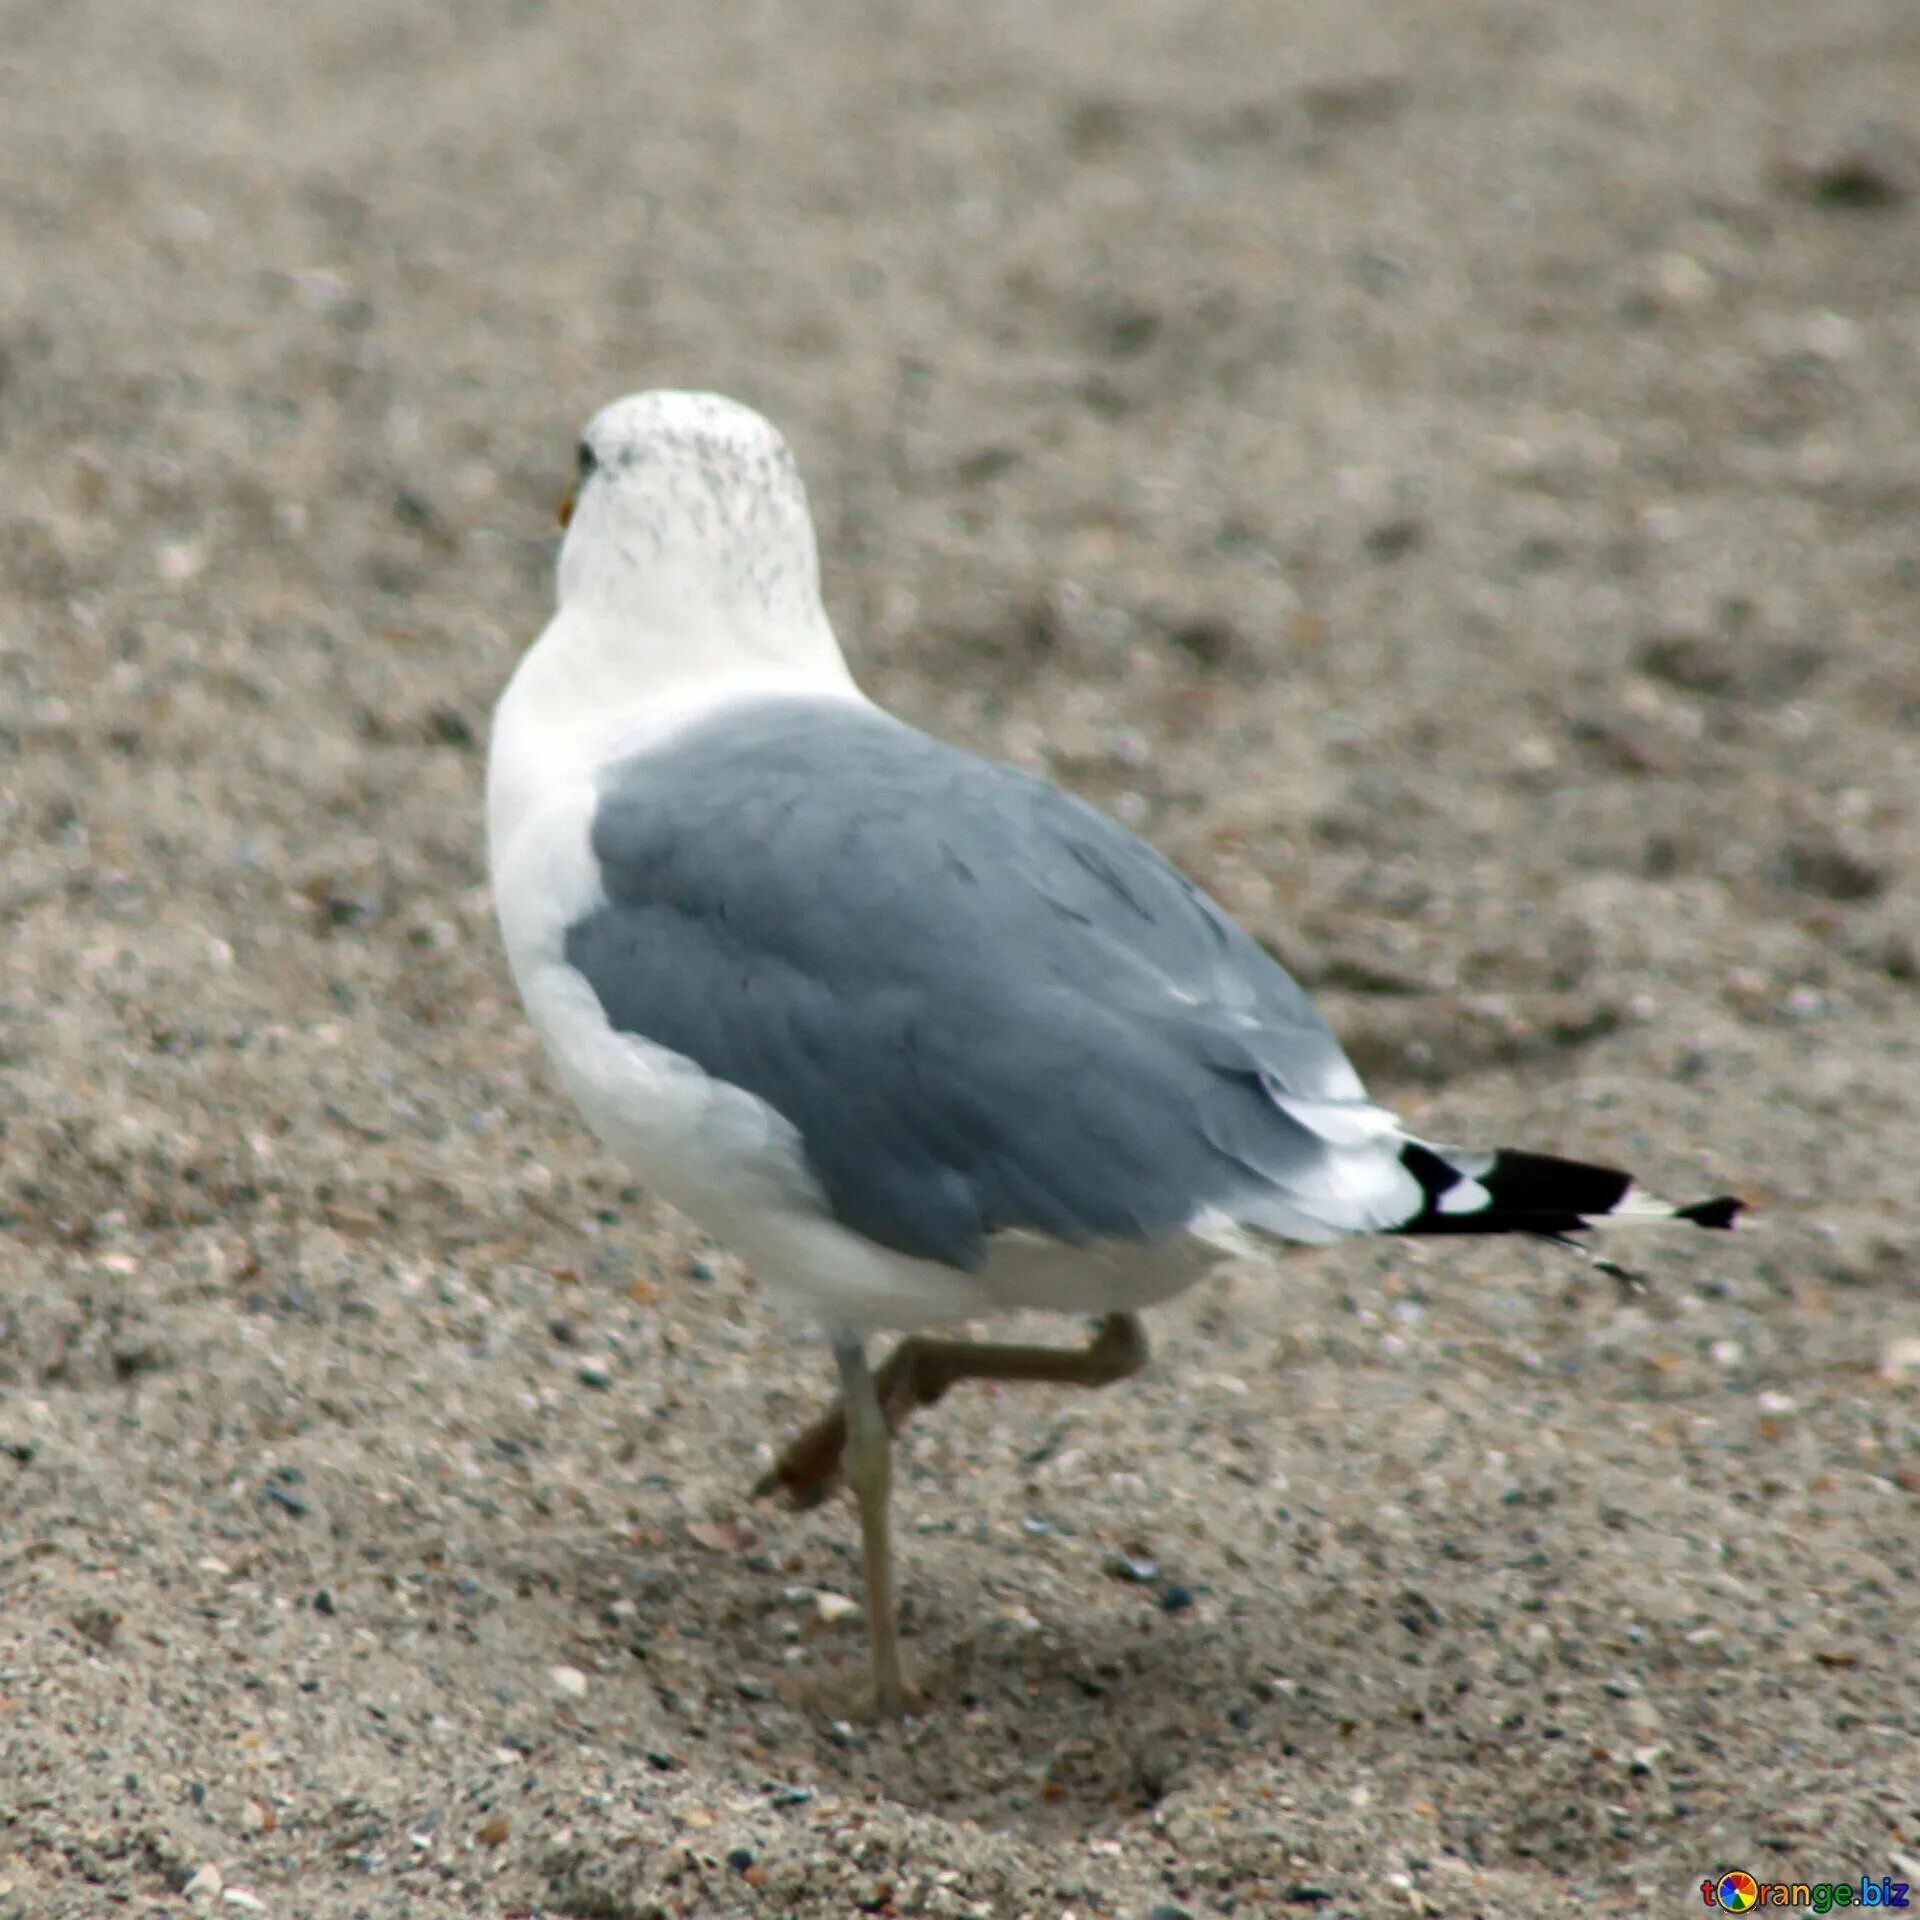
(981, 1004)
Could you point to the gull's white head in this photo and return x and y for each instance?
(688, 580)
(689, 525)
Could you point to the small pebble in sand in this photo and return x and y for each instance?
(1640, 1712)
(98, 1624)
(204, 1885)
(569, 1683)
(1901, 1359)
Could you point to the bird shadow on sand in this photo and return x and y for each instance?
(1063, 1725)
(1064, 1729)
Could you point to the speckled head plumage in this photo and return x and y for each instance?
(690, 507)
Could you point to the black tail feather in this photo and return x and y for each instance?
(1711, 1213)
(1516, 1192)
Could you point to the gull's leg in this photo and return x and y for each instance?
(869, 1470)
(918, 1373)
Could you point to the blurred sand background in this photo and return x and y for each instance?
(1448, 475)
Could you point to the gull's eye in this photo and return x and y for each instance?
(588, 462)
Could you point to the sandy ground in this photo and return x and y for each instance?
(1449, 475)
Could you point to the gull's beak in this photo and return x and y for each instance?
(563, 512)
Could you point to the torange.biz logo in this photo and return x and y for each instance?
(1738, 1892)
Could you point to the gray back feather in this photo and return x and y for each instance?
(982, 1004)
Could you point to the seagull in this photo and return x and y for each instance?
(921, 1037)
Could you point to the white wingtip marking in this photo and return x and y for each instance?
(1634, 1208)
(1465, 1196)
